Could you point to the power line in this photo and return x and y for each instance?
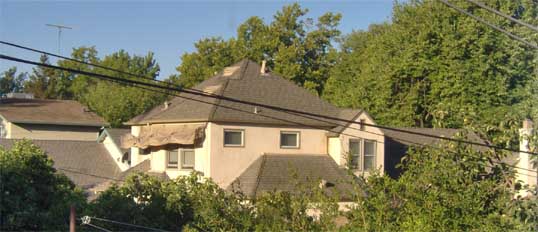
(484, 6)
(490, 24)
(126, 224)
(276, 108)
(89, 174)
(97, 227)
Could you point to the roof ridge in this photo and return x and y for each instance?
(223, 90)
(55, 140)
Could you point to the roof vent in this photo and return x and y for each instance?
(230, 71)
(256, 110)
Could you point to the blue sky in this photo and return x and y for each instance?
(168, 28)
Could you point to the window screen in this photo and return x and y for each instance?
(233, 138)
(289, 139)
(187, 159)
(172, 159)
(369, 155)
(354, 153)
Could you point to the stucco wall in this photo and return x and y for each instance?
(229, 162)
(158, 156)
(52, 132)
(352, 132)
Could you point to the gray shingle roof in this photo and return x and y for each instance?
(41, 111)
(287, 172)
(88, 162)
(247, 84)
(413, 139)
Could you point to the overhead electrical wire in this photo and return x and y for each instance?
(490, 9)
(128, 81)
(490, 24)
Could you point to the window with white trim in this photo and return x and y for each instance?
(234, 138)
(187, 159)
(290, 139)
(172, 159)
(362, 154)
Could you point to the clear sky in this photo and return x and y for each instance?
(167, 28)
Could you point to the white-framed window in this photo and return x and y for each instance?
(290, 139)
(369, 155)
(362, 154)
(187, 159)
(234, 138)
(354, 153)
(172, 158)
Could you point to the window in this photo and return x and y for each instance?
(362, 159)
(171, 159)
(354, 153)
(187, 159)
(369, 155)
(362, 126)
(234, 138)
(289, 139)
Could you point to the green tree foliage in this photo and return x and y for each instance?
(116, 103)
(33, 195)
(455, 188)
(294, 47)
(42, 80)
(433, 66)
(11, 82)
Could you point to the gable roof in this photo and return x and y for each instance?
(46, 111)
(115, 134)
(287, 172)
(414, 139)
(86, 163)
(243, 81)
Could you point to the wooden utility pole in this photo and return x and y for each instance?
(72, 219)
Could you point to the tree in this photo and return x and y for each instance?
(10, 82)
(33, 195)
(450, 188)
(292, 46)
(42, 80)
(435, 67)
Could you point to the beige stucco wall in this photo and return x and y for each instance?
(51, 132)
(339, 147)
(527, 172)
(158, 157)
(229, 162)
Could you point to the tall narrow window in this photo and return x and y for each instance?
(289, 139)
(187, 159)
(362, 126)
(369, 155)
(354, 153)
(234, 138)
(172, 159)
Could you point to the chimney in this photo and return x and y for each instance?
(527, 171)
(166, 104)
(262, 70)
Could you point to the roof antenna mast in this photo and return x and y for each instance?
(60, 27)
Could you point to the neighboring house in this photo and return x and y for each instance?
(68, 133)
(111, 139)
(225, 144)
(86, 163)
(40, 119)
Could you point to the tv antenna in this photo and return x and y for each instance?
(59, 27)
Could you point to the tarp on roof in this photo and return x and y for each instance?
(162, 134)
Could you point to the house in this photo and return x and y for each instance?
(68, 133)
(22, 116)
(227, 140)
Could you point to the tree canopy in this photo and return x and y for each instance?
(432, 66)
(294, 47)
